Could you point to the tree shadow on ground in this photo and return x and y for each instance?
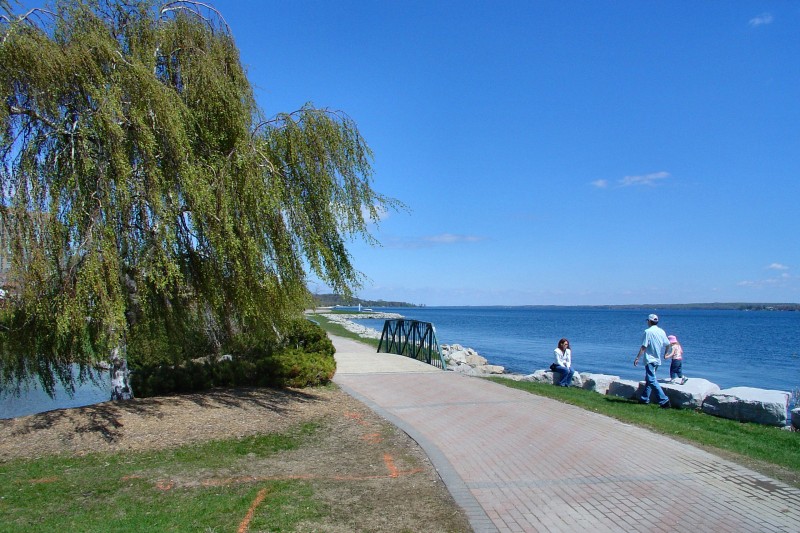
(104, 419)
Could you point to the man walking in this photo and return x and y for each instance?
(654, 343)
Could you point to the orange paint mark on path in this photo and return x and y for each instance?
(165, 485)
(372, 438)
(250, 512)
(52, 479)
(357, 417)
(393, 472)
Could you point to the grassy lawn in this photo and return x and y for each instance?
(337, 329)
(156, 491)
(764, 448)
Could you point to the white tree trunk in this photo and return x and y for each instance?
(120, 376)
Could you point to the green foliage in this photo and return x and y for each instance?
(146, 200)
(337, 329)
(304, 358)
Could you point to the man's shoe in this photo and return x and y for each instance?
(684, 380)
(665, 405)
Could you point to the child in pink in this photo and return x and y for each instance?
(675, 353)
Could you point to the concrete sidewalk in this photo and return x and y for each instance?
(519, 462)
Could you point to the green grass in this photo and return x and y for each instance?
(755, 442)
(337, 329)
(129, 492)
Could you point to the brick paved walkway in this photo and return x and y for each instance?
(518, 462)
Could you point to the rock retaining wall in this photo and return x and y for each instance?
(749, 405)
(740, 403)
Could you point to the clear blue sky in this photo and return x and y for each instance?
(557, 152)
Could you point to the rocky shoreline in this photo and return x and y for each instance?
(742, 403)
(458, 358)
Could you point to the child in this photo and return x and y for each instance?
(675, 353)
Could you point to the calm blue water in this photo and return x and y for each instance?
(34, 400)
(730, 348)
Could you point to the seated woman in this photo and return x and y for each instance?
(563, 362)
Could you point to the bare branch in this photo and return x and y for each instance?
(14, 110)
(176, 6)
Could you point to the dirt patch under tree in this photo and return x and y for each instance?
(373, 476)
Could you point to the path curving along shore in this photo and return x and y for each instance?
(519, 462)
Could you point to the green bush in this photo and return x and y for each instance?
(303, 359)
(294, 367)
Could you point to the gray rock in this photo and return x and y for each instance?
(466, 370)
(473, 359)
(691, 394)
(554, 377)
(539, 376)
(515, 377)
(456, 356)
(796, 419)
(747, 404)
(492, 369)
(597, 382)
(624, 388)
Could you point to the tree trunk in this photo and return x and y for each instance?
(120, 376)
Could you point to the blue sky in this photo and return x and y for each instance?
(557, 152)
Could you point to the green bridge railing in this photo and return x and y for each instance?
(413, 339)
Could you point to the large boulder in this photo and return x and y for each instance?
(473, 359)
(492, 369)
(539, 376)
(623, 388)
(577, 380)
(548, 376)
(597, 382)
(454, 354)
(796, 419)
(691, 394)
(464, 369)
(515, 377)
(551, 378)
(467, 361)
(747, 404)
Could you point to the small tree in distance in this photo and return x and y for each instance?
(146, 198)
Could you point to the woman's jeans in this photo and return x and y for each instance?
(676, 369)
(650, 382)
(566, 375)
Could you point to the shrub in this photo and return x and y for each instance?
(304, 358)
(294, 367)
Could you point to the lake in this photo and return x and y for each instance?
(730, 348)
(33, 399)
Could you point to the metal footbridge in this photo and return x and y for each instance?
(413, 339)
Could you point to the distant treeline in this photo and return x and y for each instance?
(329, 300)
(736, 306)
(717, 306)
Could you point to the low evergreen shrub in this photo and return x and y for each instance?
(304, 358)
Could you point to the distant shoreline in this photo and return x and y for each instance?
(696, 306)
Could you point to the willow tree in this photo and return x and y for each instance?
(143, 190)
